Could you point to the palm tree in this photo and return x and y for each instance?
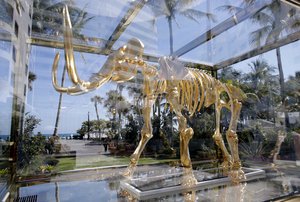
(293, 92)
(111, 103)
(276, 20)
(171, 8)
(55, 132)
(47, 19)
(260, 71)
(97, 100)
(230, 75)
(263, 84)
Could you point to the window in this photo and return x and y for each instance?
(25, 89)
(29, 30)
(228, 100)
(14, 54)
(30, 12)
(16, 29)
(4, 69)
(26, 69)
(12, 79)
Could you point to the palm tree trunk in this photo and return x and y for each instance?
(56, 192)
(119, 123)
(98, 119)
(96, 109)
(171, 34)
(59, 104)
(282, 88)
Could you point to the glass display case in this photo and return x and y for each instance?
(149, 100)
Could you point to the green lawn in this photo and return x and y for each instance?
(70, 163)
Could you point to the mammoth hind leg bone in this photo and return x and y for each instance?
(186, 135)
(236, 174)
(219, 140)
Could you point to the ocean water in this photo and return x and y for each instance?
(6, 137)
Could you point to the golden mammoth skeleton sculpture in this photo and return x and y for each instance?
(185, 88)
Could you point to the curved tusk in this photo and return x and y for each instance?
(80, 86)
(71, 90)
(68, 46)
(77, 89)
(54, 73)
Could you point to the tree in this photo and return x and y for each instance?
(293, 93)
(230, 75)
(55, 132)
(277, 19)
(261, 82)
(97, 100)
(258, 76)
(93, 125)
(116, 104)
(131, 130)
(30, 123)
(47, 19)
(30, 145)
(171, 8)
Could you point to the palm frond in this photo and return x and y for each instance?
(247, 3)
(275, 33)
(293, 23)
(229, 8)
(195, 15)
(157, 8)
(186, 4)
(257, 36)
(252, 95)
(262, 18)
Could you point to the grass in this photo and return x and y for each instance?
(70, 163)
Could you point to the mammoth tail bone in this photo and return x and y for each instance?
(79, 86)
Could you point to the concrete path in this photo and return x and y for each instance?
(87, 153)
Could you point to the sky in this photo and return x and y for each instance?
(43, 100)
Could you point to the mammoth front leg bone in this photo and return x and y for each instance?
(146, 135)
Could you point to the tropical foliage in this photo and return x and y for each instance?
(47, 17)
(31, 145)
(173, 8)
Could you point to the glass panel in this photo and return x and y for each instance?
(5, 113)
(92, 20)
(148, 130)
(190, 20)
(6, 12)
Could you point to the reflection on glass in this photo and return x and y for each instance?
(103, 128)
(6, 12)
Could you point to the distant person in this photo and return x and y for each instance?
(105, 144)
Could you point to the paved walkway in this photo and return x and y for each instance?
(87, 153)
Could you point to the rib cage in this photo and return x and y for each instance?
(199, 89)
